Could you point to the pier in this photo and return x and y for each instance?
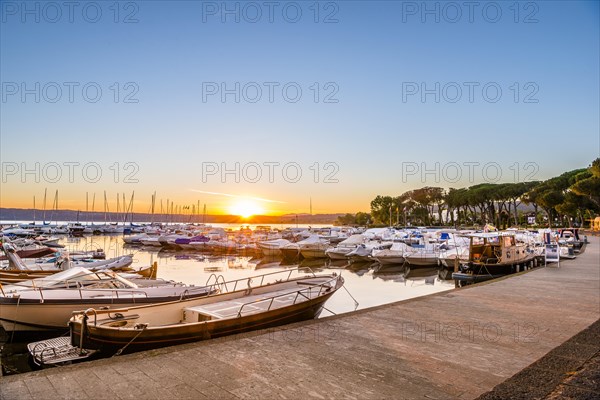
(457, 344)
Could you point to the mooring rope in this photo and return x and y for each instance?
(118, 353)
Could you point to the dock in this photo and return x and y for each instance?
(457, 344)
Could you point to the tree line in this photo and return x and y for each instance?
(570, 198)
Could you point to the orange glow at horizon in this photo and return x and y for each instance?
(245, 208)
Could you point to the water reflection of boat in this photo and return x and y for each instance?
(419, 273)
(389, 268)
(214, 268)
(268, 263)
(312, 263)
(359, 268)
(340, 264)
(389, 275)
(425, 276)
(444, 274)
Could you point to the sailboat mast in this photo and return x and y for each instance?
(105, 207)
(44, 215)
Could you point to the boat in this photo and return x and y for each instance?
(243, 308)
(291, 252)
(313, 247)
(393, 255)
(422, 255)
(492, 255)
(150, 241)
(344, 247)
(188, 243)
(362, 252)
(18, 270)
(272, 247)
(48, 303)
(31, 251)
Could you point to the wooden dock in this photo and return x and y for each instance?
(456, 344)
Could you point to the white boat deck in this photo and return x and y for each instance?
(254, 304)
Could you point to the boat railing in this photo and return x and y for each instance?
(300, 292)
(220, 282)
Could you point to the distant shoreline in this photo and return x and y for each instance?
(8, 215)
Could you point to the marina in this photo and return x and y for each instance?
(425, 347)
(301, 200)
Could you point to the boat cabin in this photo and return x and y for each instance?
(495, 248)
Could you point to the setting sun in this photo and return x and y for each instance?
(246, 208)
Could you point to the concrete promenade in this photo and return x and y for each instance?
(456, 344)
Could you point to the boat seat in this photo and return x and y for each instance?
(251, 305)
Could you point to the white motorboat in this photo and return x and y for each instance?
(313, 247)
(393, 255)
(150, 241)
(340, 251)
(422, 254)
(272, 247)
(48, 307)
(364, 251)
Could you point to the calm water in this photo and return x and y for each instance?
(369, 285)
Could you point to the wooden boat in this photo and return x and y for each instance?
(243, 309)
(492, 255)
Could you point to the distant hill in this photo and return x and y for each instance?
(28, 214)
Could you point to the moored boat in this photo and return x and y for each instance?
(494, 254)
(48, 303)
(240, 310)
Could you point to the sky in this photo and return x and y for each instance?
(267, 107)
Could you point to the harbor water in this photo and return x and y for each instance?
(367, 283)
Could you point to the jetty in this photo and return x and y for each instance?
(525, 334)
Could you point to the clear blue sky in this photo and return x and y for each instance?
(372, 54)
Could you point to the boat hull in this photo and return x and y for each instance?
(51, 315)
(338, 255)
(290, 254)
(427, 261)
(33, 253)
(313, 253)
(270, 252)
(112, 336)
(389, 260)
(109, 342)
